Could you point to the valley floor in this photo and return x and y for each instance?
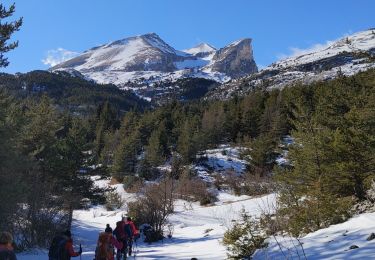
(198, 230)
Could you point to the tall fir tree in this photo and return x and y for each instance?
(6, 31)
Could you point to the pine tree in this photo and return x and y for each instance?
(157, 148)
(73, 185)
(126, 156)
(189, 140)
(12, 165)
(6, 31)
(106, 122)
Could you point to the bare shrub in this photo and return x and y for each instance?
(194, 189)
(247, 184)
(155, 206)
(133, 184)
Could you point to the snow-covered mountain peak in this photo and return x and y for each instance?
(240, 41)
(145, 61)
(201, 48)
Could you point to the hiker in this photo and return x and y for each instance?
(106, 245)
(6, 248)
(135, 231)
(108, 229)
(134, 234)
(62, 247)
(121, 236)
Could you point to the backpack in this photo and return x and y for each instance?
(128, 230)
(104, 249)
(57, 249)
(119, 231)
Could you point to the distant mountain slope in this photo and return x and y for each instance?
(147, 58)
(347, 56)
(70, 92)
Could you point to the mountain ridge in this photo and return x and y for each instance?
(148, 58)
(347, 56)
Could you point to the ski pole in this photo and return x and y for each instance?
(80, 250)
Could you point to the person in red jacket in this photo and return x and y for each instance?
(69, 246)
(135, 233)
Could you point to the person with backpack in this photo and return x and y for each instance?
(120, 235)
(106, 246)
(123, 233)
(62, 247)
(135, 231)
(6, 248)
(108, 229)
(134, 234)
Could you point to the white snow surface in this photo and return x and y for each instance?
(201, 48)
(198, 230)
(329, 243)
(225, 158)
(361, 41)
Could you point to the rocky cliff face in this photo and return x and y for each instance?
(235, 60)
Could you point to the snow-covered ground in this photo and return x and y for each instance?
(329, 243)
(220, 160)
(198, 230)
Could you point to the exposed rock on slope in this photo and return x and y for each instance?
(347, 56)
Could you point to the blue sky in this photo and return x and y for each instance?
(275, 26)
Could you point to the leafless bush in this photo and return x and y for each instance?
(155, 206)
(133, 184)
(194, 189)
(245, 184)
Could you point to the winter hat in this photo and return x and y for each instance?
(6, 238)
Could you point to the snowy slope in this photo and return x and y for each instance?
(358, 42)
(329, 243)
(347, 56)
(201, 48)
(198, 230)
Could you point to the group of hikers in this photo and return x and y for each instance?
(111, 242)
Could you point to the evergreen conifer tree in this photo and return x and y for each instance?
(6, 31)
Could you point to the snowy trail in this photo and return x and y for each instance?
(198, 231)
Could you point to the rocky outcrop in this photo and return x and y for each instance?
(235, 60)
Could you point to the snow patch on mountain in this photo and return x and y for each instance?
(347, 56)
(201, 48)
(146, 59)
